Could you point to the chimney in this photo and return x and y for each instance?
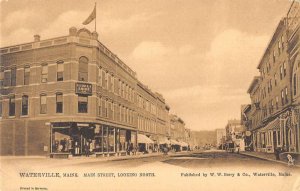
(37, 38)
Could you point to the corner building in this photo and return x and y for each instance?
(59, 95)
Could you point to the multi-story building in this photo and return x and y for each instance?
(293, 25)
(271, 114)
(60, 94)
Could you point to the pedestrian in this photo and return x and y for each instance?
(277, 153)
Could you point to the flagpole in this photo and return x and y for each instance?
(96, 17)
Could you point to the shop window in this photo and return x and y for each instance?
(60, 71)
(12, 106)
(82, 104)
(63, 143)
(43, 104)
(83, 69)
(111, 139)
(59, 103)
(25, 105)
(13, 76)
(26, 75)
(278, 138)
(105, 139)
(98, 139)
(44, 73)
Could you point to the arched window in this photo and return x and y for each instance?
(24, 105)
(83, 69)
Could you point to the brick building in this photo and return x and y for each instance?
(60, 95)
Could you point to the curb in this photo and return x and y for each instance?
(263, 158)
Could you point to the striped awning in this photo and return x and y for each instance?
(273, 125)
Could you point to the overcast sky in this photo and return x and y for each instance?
(200, 54)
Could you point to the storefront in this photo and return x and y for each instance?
(79, 138)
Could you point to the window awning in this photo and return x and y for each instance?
(164, 141)
(273, 125)
(144, 139)
(184, 144)
(174, 142)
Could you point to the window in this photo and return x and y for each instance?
(1, 77)
(281, 72)
(0, 108)
(103, 79)
(44, 73)
(274, 56)
(83, 69)
(282, 42)
(282, 97)
(60, 71)
(82, 104)
(12, 104)
(59, 103)
(13, 76)
(43, 104)
(270, 84)
(7, 78)
(26, 75)
(275, 79)
(25, 105)
(279, 46)
(284, 69)
(286, 95)
(105, 109)
(272, 106)
(100, 76)
(295, 84)
(277, 102)
(99, 106)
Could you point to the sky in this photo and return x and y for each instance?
(200, 54)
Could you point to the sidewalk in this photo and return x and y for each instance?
(264, 156)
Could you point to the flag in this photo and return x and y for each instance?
(91, 17)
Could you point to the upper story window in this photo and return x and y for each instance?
(284, 69)
(44, 73)
(286, 95)
(26, 75)
(83, 69)
(7, 78)
(295, 84)
(279, 46)
(0, 108)
(281, 72)
(43, 103)
(274, 56)
(12, 106)
(24, 105)
(282, 97)
(282, 42)
(275, 79)
(60, 71)
(1, 77)
(99, 76)
(82, 104)
(13, 76)
(59, 103)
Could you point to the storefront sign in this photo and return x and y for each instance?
(83, 88)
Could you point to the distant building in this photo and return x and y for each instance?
(221, 136)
